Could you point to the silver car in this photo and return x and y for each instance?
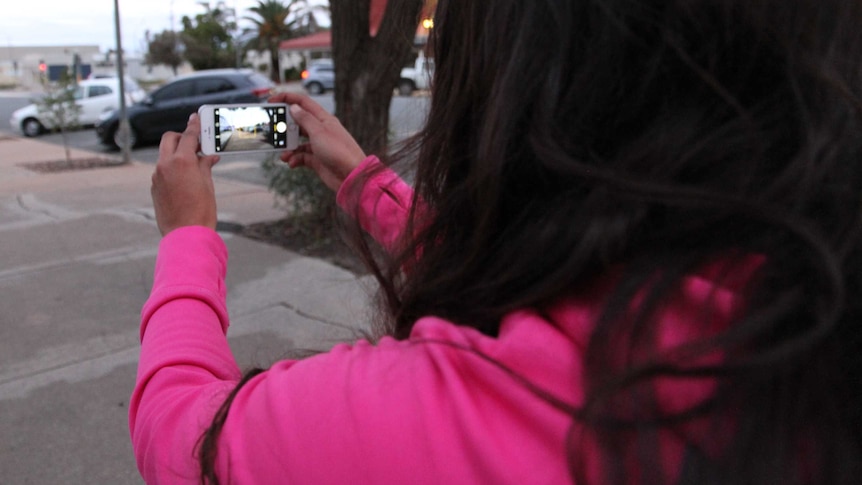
(319, 77)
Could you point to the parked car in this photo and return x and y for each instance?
(417, 75)
(319, 77)
(168, 108)
(95, 97)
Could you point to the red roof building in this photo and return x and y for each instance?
(322, 41)
(314, 42)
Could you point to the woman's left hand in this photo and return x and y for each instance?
(183, 192)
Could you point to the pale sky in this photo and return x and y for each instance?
(91, 22)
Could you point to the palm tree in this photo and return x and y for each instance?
(275, 21)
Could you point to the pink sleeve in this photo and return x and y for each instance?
(186, 368)
(416, 411)
(392, 413)
(384, 200)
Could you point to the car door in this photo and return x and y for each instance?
(97, 99)
(167, 110)
(80, 96)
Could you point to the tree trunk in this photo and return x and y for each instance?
(367, 68)
(274, 63)
(66, 145)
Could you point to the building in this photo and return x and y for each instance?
(23, 66)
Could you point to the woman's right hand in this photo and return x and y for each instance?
(330, 151)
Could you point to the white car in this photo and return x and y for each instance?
(95, 97)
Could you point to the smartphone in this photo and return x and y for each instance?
(247, 128)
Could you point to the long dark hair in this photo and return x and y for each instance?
(568, 140)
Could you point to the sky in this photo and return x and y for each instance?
(91, 22)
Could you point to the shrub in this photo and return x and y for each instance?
(306, 199)
(292, 74)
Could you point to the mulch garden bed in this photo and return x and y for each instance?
(55, 166)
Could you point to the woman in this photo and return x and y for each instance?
(631, 255)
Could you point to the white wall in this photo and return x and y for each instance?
(19, 66)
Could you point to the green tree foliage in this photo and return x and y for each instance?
(275, 21)
(165, 48)
(58, 108)
(208, 38)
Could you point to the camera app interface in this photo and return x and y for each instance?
(250, 128)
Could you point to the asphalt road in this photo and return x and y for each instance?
(407, 115)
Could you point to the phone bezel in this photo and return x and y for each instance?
(207, 139)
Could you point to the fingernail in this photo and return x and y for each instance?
(294, 109)
(193, 116)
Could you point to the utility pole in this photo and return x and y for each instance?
(124, 117)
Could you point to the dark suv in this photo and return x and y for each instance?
(168, 108)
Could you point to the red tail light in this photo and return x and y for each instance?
(261, 92)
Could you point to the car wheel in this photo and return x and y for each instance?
(405, 88)
(315, 88)
(118, 137)
(32, 127)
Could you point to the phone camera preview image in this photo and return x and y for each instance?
(250, 128)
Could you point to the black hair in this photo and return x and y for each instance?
(649, 138)
(207, 447)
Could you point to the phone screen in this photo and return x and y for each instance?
(247, 128)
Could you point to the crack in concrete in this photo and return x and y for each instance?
(312, 317)
(80, 370)
(294, 309)
(13, 375)
(26, 208)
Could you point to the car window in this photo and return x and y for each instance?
(213, 85)
(78, 92)
(99, 91)
(179, 89)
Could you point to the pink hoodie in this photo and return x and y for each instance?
(429, 410)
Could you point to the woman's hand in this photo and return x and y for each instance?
(183, 192)
(331, 152)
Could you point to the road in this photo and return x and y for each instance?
(406, 116)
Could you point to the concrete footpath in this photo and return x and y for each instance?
(76, 257)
